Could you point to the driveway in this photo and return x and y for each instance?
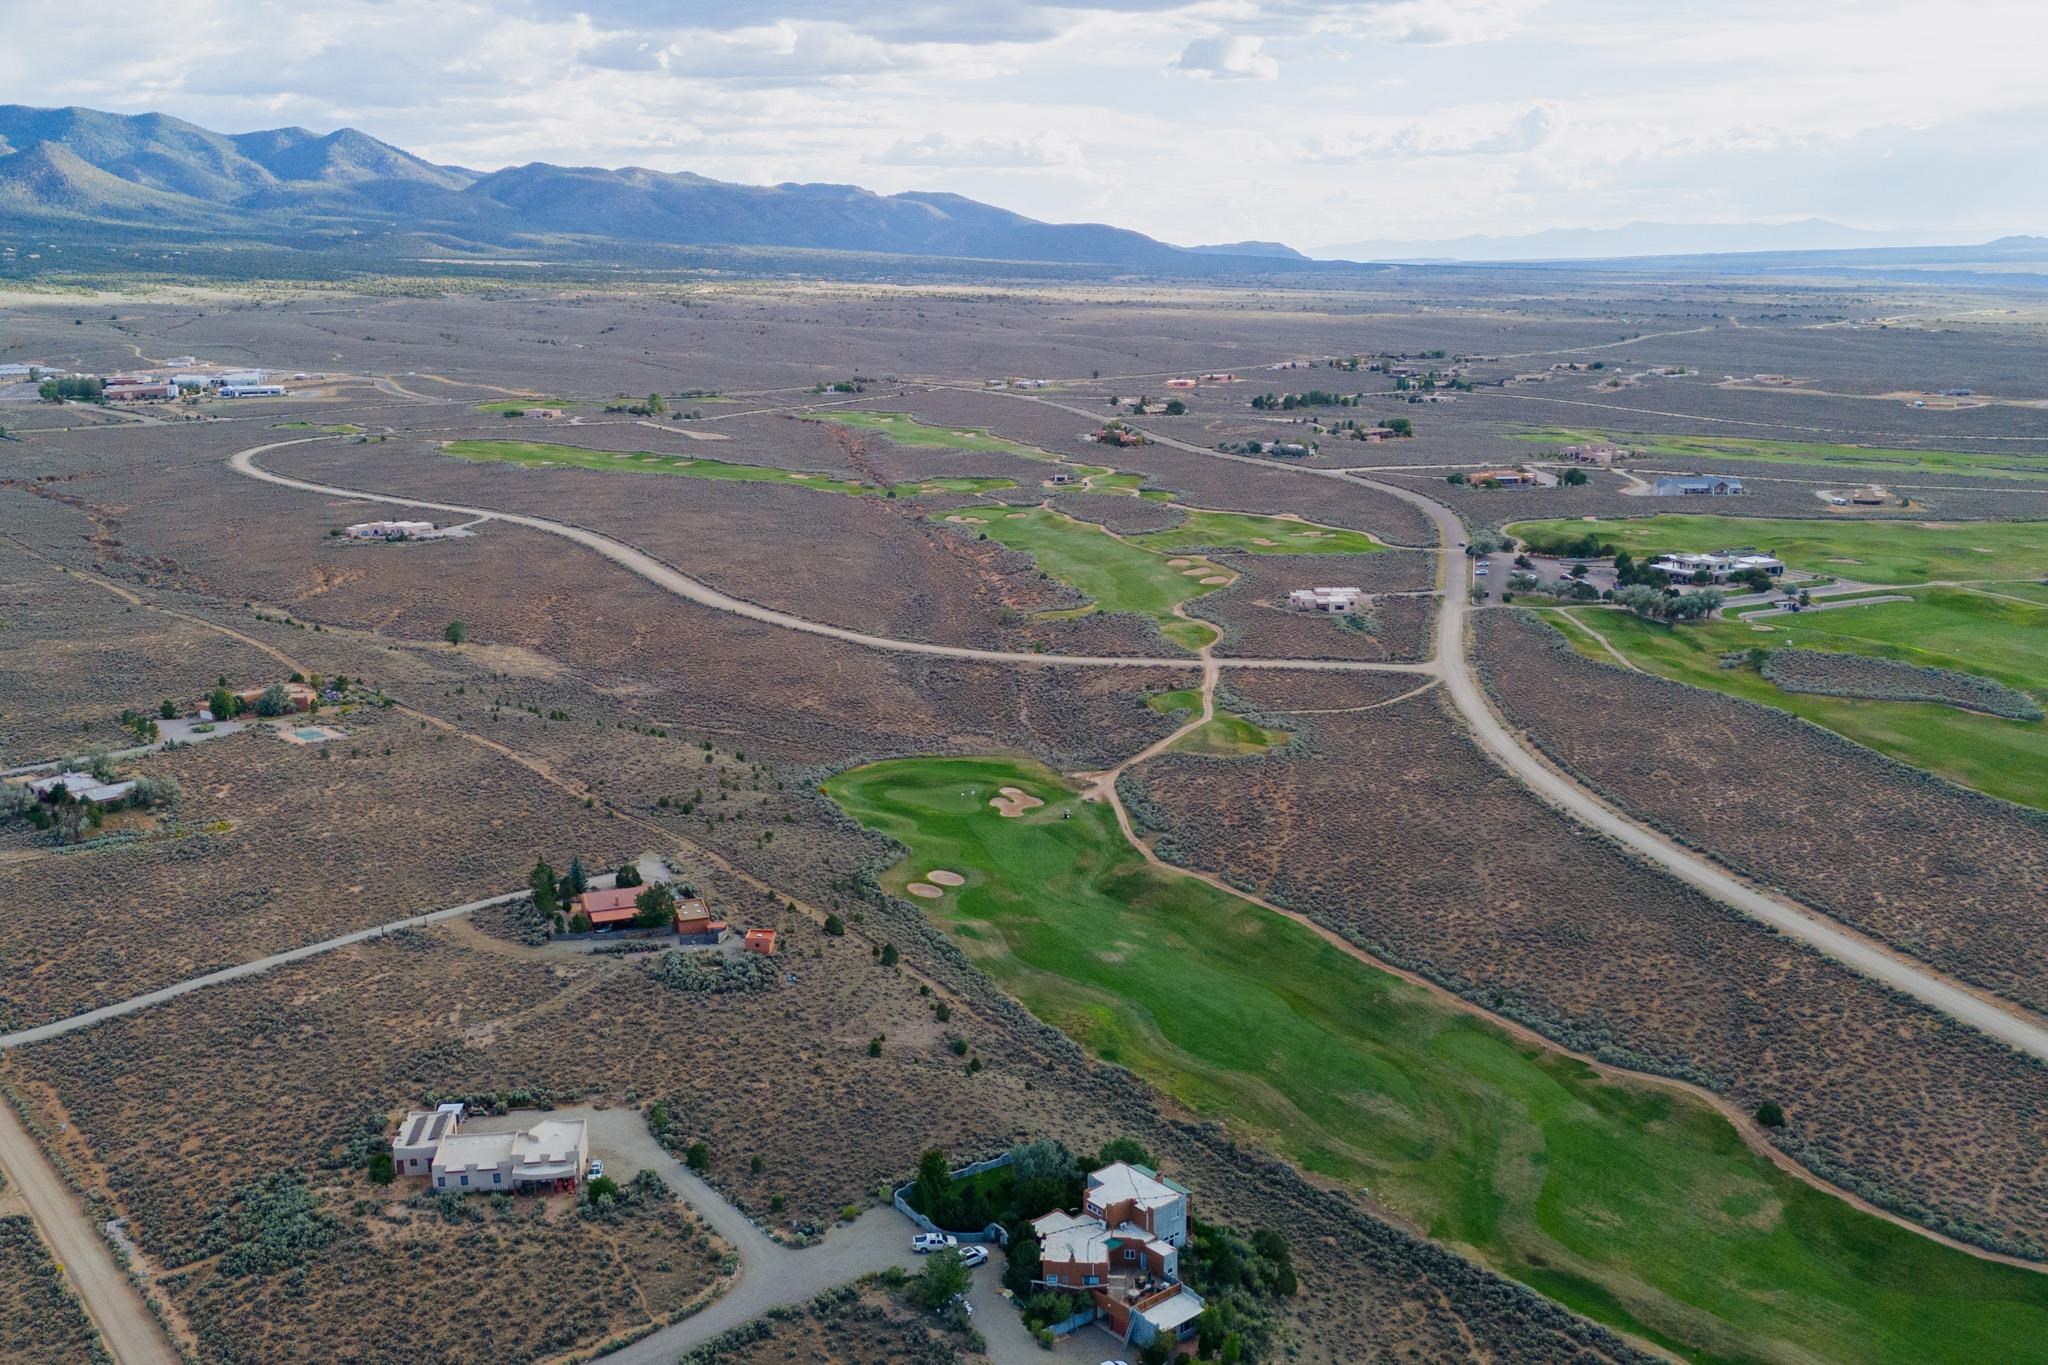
(771, 1275)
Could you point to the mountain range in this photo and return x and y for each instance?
(154, 173)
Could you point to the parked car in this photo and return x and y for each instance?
(924, 1243)
(596, 1170)
(973, 1255)
(1481, 569)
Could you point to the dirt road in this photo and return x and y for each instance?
(115, 1305)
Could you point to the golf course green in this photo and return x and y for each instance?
(1876, 461)
(1997, 637)
(1634, 1204)
(1883, 552)
(1118, 574)
(537, 455)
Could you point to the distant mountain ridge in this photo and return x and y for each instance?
(152, 171)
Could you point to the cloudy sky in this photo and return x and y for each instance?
(1308, 122)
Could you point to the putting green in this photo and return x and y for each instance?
(1886, 552)
(1117, 574)
(1636, 1206)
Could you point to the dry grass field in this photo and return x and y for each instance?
(1945, 874)
(1518, 910)
(850, 1325)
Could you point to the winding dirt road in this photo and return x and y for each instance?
(1450, 662)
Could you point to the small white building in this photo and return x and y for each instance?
(81, 787)
(1338, 600)
(389, 530)
(419, 1137)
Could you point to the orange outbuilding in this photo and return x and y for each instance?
(761, 941)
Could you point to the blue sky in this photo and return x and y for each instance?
(1308, 122)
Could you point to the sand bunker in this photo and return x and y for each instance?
(1013, 801)
(1192, 573)
(945, 878)
(1215, 578)
(924, 890)
(968, 521)
(1178, 563)
(1015, 516)
(1261, 540)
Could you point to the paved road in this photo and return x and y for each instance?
(771, 1275)
(114, 1304)
(682, 585)
(2009, 1025)
(240, 969)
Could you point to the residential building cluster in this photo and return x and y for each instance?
(1123, 1249)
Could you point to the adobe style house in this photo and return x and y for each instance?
(1342, 601)
(298, 698)
(1720, 566)
(80, 787)
(389, 530)
(1123, 1249)
(1503, 478)
(761, 941)
(549, 1157)
(693, 922)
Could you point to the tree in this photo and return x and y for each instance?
(629, 875)
(934, 1184)
(1123, 1149)
(1175, 408)
(656, 404)
(1640, 598)
(169, 709)
(655, 906)
(273, 701)
(546, 890)
(576, 882)
(604, 1187)
(455, 633)
(945, 1278)
(889, 955)
(1454, 478)
(223, 704)
(1400, 426)
(1024, 1262)
(1770, 1114)
(1573, 478)
(698, 1157)
(835, 926)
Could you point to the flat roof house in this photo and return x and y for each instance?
(1123, 1249)
(419, 1137)
(80, 787)
(693, 921)
(1339, 600)
(1504, 478)
(1696, 485)
(551, 1155)
(388, 530)
(761, 941)
(1719, 566)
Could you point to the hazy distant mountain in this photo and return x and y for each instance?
(1636, 239)
(150, 171)
(1280, 249)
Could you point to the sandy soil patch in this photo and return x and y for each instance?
(1215, 578)
(941, 877)
(1013, 801)
(703, 435)
(924, 890)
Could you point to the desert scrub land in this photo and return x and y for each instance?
(1889, 552)
(851, 1325)
(1951, 877)
(273, 845)
(1828, 674)
(40, 1318)
(1540, 923)
(1663, 449)
(2000, 756)
(1487, 1142)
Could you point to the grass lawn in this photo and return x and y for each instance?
(904, 429)
(1637, 1207)
(1876, 460)
(1258, 535)
(1225, 736)
(1118, 574)
(2004, 758)
(536, 454)
(1868, 551)
(500, 406)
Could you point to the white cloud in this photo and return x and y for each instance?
(1236, 57)
(988, 153)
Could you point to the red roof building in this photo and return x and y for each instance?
(611, 906)
(761, 941)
